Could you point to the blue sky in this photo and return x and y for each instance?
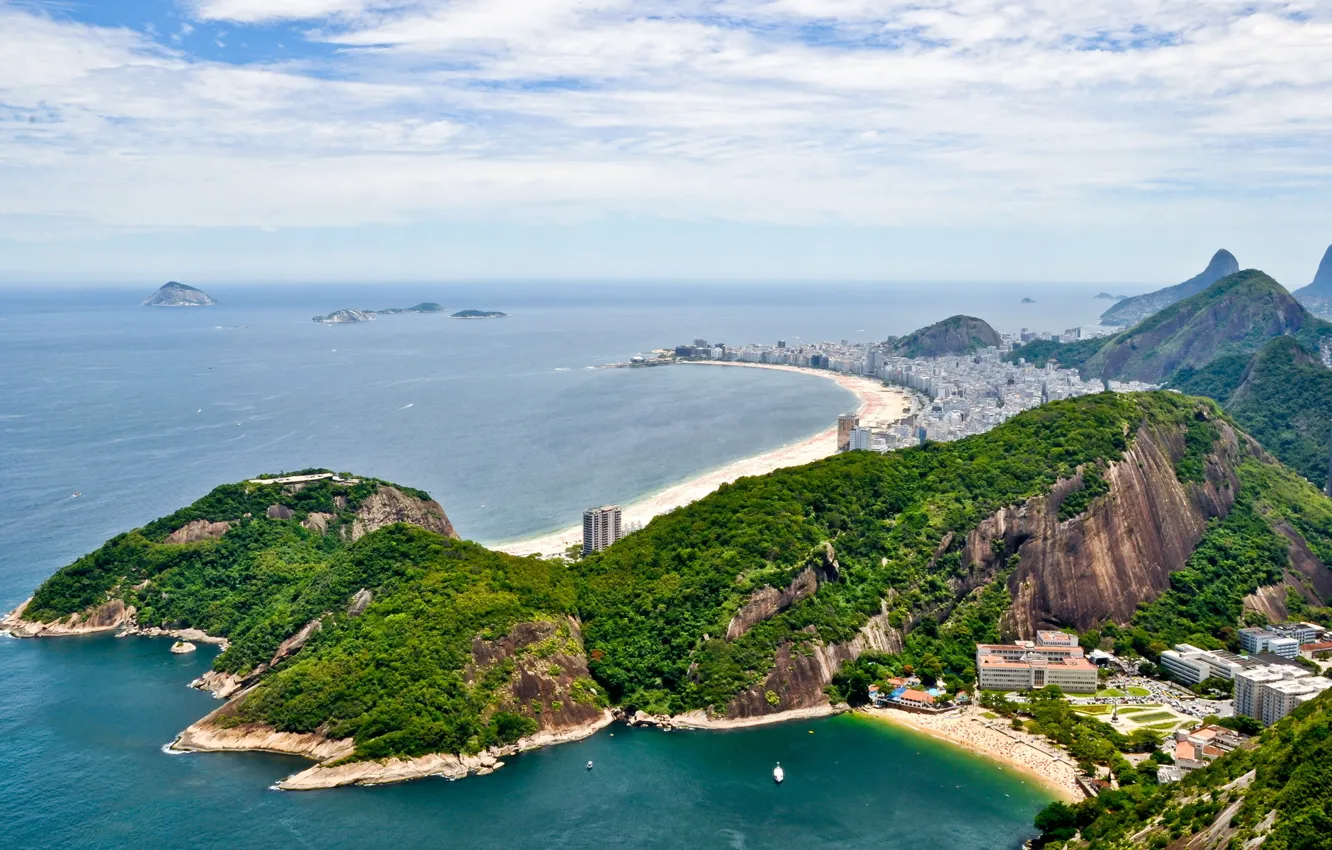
(420, 140)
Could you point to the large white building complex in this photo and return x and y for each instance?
(1268, 692)
(1054, 658)
(1190, 665)
(1283, 639)
(601, 527)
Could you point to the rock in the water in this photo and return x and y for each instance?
(182, 647)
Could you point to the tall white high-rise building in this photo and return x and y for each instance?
(601, 527)
(1268, 692)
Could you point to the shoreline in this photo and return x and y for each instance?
(878, 403)
(967, 730)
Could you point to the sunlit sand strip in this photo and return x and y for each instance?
(879, 405)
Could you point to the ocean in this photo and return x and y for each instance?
(505, 423)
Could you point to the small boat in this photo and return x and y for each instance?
(76, 494)
(778, 774)
(589, 765)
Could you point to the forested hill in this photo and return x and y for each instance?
(1237, 315)
(1275, 794)
(952, 336)
(354, 614)
(1233, 317)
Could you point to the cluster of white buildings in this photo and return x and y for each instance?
(1054, 658)
(1268, 683)
(961, 395)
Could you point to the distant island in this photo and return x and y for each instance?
(1028, 300)
(1105, 296)
(480, 314)
(344, 317)
(173, 294)
(423, 307)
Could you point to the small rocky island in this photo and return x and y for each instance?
(340, 317)
(343, 317)
(173, 294)
(423, 307)
(1105, 296)
(1028, 300)
(480, 314)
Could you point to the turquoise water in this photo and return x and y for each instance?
(144, 411)
(90, 715)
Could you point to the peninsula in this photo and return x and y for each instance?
(175, 294)
(384, 648)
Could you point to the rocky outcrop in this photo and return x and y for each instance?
(770, 601)
(293, 644)
(317, 522)
(220, 684)
(1305, 575)
(279, 512)
(360, 602)
(800, 673)
(182, 647)
(550, 678)
(1099, 566)
(447, 765)
(200, 529)
(107, 617)
(218, 733)
(389, 505)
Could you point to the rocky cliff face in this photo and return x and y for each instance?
(770, 601)
(550, 683)
(1098, 566)
(390, 505)
(200, 529)
(1321, 287)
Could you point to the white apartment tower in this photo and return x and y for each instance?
(601, 528)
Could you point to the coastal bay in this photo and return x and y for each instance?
(875, 402)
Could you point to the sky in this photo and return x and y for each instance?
(746, 140)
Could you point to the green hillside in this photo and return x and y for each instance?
(1276, 793)
(953, 336)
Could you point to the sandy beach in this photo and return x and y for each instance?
(968, 728)
(879, 405)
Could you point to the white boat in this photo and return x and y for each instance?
(778, 774)
(589, 765)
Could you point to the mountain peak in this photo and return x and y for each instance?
(1133, 310)
(952, 336)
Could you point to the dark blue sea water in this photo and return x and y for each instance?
(145, 410)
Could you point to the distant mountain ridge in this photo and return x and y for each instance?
(953, 336)
(1132, 310)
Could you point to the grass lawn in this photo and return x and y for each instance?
(1152, 717)
(988, 715)
(1135, 709)
(1111, 692)
(1139, 692)
(1163, 727)
(1092, 709)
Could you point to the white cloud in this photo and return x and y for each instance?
(876, 112)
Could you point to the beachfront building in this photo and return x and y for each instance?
(1189, 665)
(861, 440)
(1054, 658)
(847, 424)
(1269, 692)
(601, 527)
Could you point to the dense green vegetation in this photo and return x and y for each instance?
(657, 603)
(1286, 404)
(396, 677)
(954, 335)
(1291, 763)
